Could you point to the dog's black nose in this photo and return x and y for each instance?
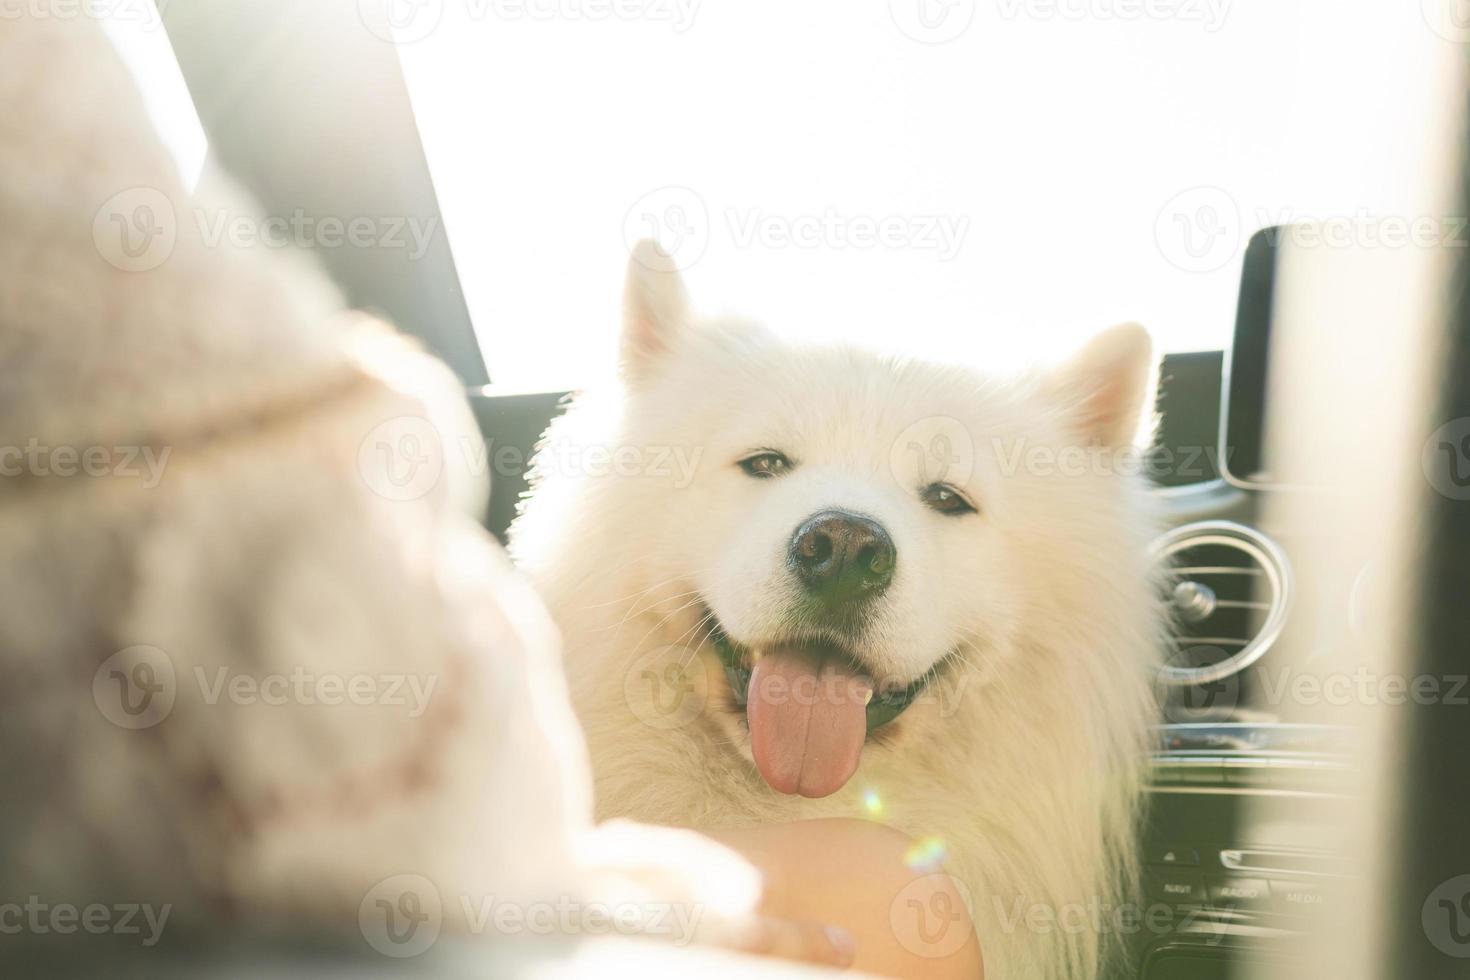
(841, 556)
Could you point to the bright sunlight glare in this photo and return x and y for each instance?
(970, 199)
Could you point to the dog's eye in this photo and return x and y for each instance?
(765, 464)
(946, 500)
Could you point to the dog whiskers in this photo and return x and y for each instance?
(639, 593)
(635, 610)
(665, 619)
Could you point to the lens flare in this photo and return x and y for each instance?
(925, 855)
(872, 803)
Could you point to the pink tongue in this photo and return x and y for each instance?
(808, 719)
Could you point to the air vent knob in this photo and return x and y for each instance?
(1194, 601)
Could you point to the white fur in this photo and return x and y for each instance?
(1025, 756)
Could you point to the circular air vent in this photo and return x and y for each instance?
(1227, 587)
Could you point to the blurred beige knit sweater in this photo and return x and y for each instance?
(199, 487)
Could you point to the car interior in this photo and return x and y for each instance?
(1307, 785)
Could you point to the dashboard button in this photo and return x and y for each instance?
(1176, 856)
(1176, 888)
(1297, 897)
(1246, 894)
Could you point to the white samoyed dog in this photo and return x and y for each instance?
(801, 582)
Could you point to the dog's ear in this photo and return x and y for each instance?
(655, 309)
(1108, 385)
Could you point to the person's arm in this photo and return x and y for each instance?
(904, 922)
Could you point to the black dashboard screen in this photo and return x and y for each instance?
(1246, 372)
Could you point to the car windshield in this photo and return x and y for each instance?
(980, 181)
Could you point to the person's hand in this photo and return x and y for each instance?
(791, 939)
(689, 888)
(855, 873)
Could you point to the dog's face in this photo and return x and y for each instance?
(854, 523)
